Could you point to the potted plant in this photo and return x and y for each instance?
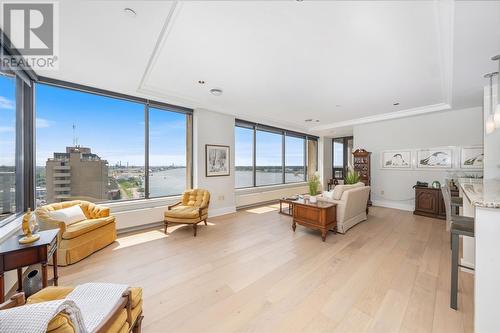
(352, 177)
(313, 184)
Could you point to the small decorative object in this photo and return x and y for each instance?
(434, 158)
(313, 199)
(352, 177)
(32, 283)
(28, 225)
(335, 181)
(400, 159)
(471, 158)
(313, 183)
(436, 184)
(216, 160)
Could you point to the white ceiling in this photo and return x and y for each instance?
(281, 62)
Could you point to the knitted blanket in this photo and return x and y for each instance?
(87, 306)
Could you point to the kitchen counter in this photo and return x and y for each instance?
(484, 194)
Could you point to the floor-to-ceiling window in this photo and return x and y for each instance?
(341, 156)
(243, 156)
(7, 146)
(93, 147)
(268, 156)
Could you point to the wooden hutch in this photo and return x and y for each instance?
(362, 166)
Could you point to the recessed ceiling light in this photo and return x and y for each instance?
(397, 103)
(130, 12)
(337, 105)
(308, 120)
(216, 91)
(201, 82)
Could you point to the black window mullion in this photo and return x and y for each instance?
(283, 152)
(146, 150)
(254, 162)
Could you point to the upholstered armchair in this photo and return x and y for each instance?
(79, 240)
(127, 316)
(193, 209)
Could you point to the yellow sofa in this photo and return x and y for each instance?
(127, 318)
(193, 209)
(79, 240)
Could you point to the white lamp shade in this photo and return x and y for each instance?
(490, 125)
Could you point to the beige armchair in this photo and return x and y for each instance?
(79, 240)
(351, 203)
(193, 209)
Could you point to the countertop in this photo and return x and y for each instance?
(485, 193)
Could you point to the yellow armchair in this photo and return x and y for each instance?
(81, 239)
(193, 209)
(127, 317)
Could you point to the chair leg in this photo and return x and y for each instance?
(205, 221)
(166, 225)
(194, 228)
(454, 271)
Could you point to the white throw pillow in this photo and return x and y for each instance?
(68, 215)
(328, 195)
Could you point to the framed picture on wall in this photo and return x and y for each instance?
(435, 158)
(216, 160)
(396, 159)
(471, 157)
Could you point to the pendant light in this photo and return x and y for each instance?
(489, 127)
(495, 105)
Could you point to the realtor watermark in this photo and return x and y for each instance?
(32, 28)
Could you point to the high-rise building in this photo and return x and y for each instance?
(76, 174)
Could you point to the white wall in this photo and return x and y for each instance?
(491, 145)
(449, 128)
(214, 128)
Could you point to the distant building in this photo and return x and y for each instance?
(76, 174)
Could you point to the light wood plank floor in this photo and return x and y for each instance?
(248, 272)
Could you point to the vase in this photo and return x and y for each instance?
(313, 199)
(32, 283)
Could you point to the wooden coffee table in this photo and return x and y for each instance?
(321, 215)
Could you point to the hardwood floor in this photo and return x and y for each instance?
(248, 272)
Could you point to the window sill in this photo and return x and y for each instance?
(141, 203)
(11, 228)
(266, 188)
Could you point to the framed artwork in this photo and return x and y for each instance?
(216, 160)
(435, 158)
(471, 158)
(396, 159)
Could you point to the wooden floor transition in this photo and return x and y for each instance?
(248, 272)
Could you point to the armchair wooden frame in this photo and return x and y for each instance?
(18, 299)
(195, 224)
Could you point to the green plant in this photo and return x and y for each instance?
(313, 183)
(352, 177)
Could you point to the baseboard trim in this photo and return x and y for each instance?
(221, 211)
(393, 204)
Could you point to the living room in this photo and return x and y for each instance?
(263, 166)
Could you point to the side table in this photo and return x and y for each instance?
(16, 256)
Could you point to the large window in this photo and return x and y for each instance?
(7, 146)
(269, 158)
(342, 156)
(167, 152)
(280, 156)
(243, 157)
(92, 147)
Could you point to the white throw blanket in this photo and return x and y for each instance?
(88, 305)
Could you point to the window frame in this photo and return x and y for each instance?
(147, 105)
(345, 157)
(284, 133)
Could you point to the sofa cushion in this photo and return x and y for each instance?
(182, 211)
(196, 197)
(83, 227)
(328, 195)
(69, 215)
(339, 190)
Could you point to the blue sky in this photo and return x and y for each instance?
(7, 121)
(112, 128)
(268, 148)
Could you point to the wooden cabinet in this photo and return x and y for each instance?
(321, 215)
(361, 161)
(429, 202)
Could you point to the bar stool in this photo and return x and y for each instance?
(458, 226)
